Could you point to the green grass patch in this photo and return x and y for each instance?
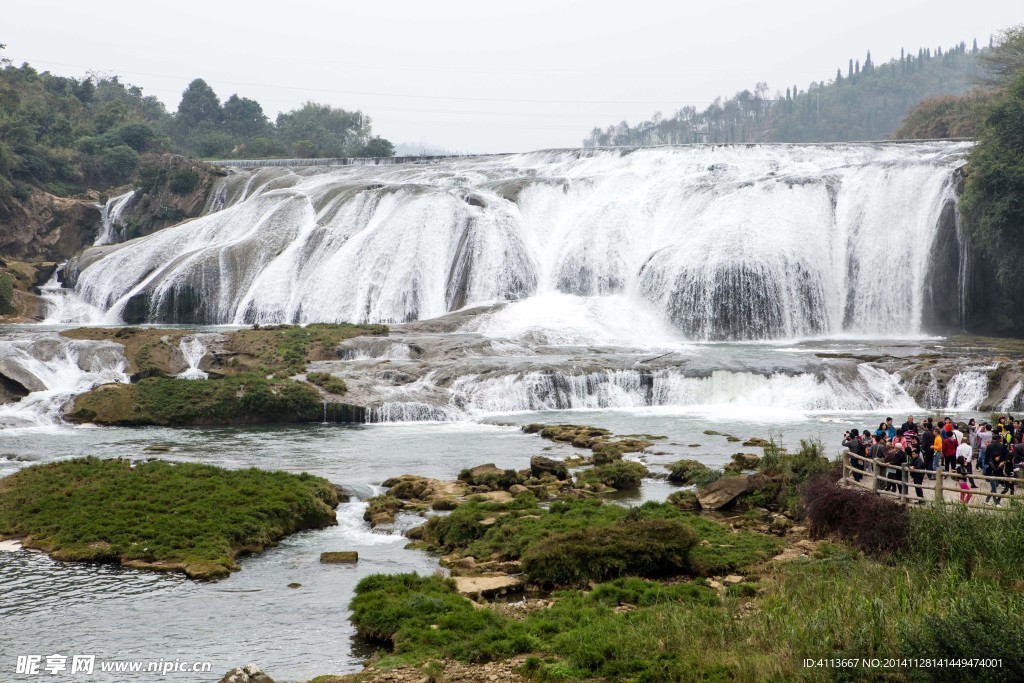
(520, 526)
(327, 382)
(172, 516)
(286, 349)
(245, 398)
(631, 547)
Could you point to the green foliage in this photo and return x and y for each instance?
(240, 398)
(633, 547)
(691, 472)
(287, 348)
(327, 382)
(183, 181)
(61, 133)
(865, 105)
(621, 475)
(970, 544)
(6, 293)
(973, 623)
(949, 116)
(993, 211)
(188, 516)
(377, 147)
(521, 525)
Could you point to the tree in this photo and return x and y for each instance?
(320, 130)
(377, 147)
(244, 117)
(1006, 59)
(199, 104)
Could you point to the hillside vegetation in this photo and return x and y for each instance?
(66, 135)
(864, 101)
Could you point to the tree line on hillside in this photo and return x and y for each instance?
(868, 102)
(65, 135)
(992, 204)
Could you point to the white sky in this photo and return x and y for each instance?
(482, 75)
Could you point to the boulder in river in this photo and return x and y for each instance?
(339, 557)
(250, 673)
(724, 491)
(541, 465)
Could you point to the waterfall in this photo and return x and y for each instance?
(865, 389)
(111, 231)
(967, 390)
(64, 305)
(55, 370)
(193, 349)
(721, 242)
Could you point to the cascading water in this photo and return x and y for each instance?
(193, 349)
(55, 370)
(966, 390)
(726, 242)
(111, 230)
(64, 305)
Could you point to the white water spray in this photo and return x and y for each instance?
(726, 242)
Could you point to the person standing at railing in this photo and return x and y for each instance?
(1006, 470)
(877, 454)
(917, 470)
(984, 439)
(854, 444)
(949, 446)
(927, 440)
(937, 449)
(992, 469)
(899, 460)
(964, 452)
(961, 475)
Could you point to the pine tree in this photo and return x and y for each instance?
(850, 75)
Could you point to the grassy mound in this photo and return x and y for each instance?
(640, 547)
(620, 475)
(159, 515)
(520, 527)
(244, 398)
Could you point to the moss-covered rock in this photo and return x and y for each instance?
(158, 515)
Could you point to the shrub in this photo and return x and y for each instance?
(621, 475)
(689, 472)
(119, 162)
(643, 547)
(6, 294)
(989, 545)
(975, 624)
(871, 523)
(327, 382)
(183, 181)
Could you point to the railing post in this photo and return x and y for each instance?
(940, 496)
(846, 463)
(874, 470)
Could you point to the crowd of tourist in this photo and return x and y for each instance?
(962, 449)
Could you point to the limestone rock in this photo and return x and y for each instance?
(541, 465)
(724, 491)
(339, 557)
(250, 673)
(486, 586)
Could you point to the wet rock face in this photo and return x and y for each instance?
(49, 228)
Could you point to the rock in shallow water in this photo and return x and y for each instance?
(250, 673)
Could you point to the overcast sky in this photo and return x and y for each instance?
(482, 76)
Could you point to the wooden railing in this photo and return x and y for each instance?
(945, 488)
